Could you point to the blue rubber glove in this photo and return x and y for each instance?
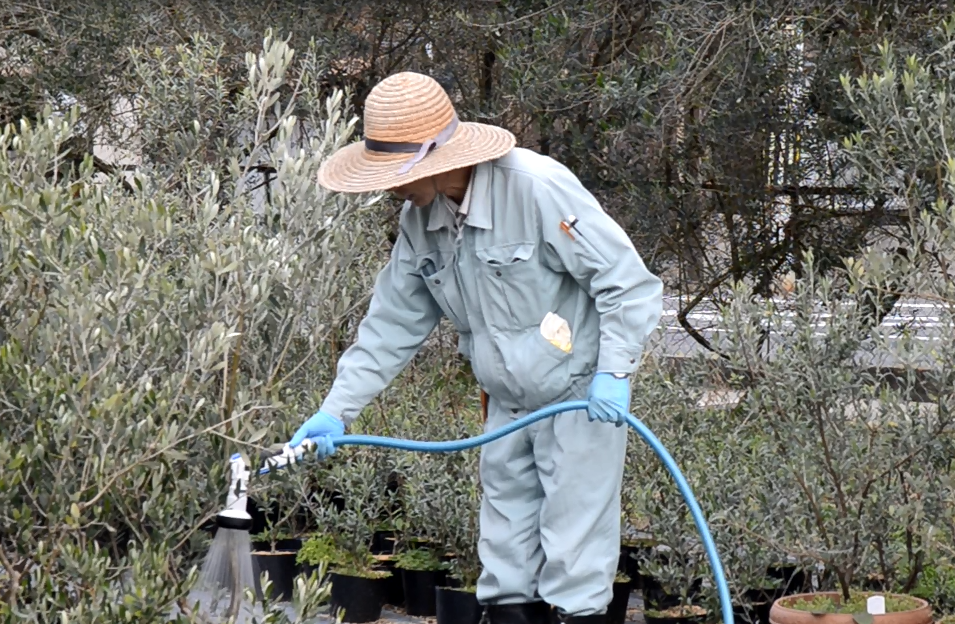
(319, 429)
(608, 399)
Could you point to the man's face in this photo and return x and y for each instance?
(420, 192)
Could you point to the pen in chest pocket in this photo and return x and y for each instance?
(568, 225)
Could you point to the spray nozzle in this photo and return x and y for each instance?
(287, 456)
(235, 515)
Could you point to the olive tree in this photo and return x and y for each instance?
(154, 322)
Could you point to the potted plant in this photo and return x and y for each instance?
(317, 550)
(422, 571)
(358, 580)
(833, 608)
(875, 452)
(454, 508)
(394, 585)
(279, 563)
(385, 537)
(632, 551)
(357, 587)
(272, 538)
(384, 545)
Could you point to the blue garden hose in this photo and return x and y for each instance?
(451, 446)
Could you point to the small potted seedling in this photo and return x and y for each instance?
(422, 571)
(358, 582)
(383, 547)
(455, 522)
(279, 563)
(675, 591)
(317, 550)
(444, 496)
(458, 604)
(384, 539)
(357, 587)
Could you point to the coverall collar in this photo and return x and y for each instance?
(473, 207)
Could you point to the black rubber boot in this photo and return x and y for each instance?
(525, 613)
(599, 618)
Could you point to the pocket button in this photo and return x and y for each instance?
(498, 273)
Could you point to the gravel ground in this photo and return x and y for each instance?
(391, 615)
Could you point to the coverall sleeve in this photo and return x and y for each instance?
(401, 315)
(602, 259)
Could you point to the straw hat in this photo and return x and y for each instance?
(411, 132)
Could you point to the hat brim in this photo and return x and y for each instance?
(353, 169)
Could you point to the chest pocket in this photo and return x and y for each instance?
(440, 273)
(510, 287)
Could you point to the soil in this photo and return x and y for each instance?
(856, 604)
(678, 612)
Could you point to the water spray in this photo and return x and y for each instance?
(228, 565)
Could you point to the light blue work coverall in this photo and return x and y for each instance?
(550, 517)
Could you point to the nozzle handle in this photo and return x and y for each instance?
(285, 457)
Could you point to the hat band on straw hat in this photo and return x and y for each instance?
(420, 150)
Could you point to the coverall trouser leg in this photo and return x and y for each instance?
(550, 516)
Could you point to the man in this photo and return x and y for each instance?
(552, 303)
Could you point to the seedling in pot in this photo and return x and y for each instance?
(320, 549)
(358, 586)
(277, 563)
(422, 572)
(273, 540)
(419, 560)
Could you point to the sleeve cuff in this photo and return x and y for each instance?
(619, 359)
(335, 405)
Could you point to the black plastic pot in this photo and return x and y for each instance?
(761, 610)
(281, 568)
(752, 613)
(419, 586)
(629, 563)
(617, 610)
(793, 580)
(763, 596)
(456, 606)
(358, 597)
(383, 543)
(394, 589)
(654, 596)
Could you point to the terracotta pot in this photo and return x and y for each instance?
(782, 614)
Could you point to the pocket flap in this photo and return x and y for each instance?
(506, 254)
(427, 264)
